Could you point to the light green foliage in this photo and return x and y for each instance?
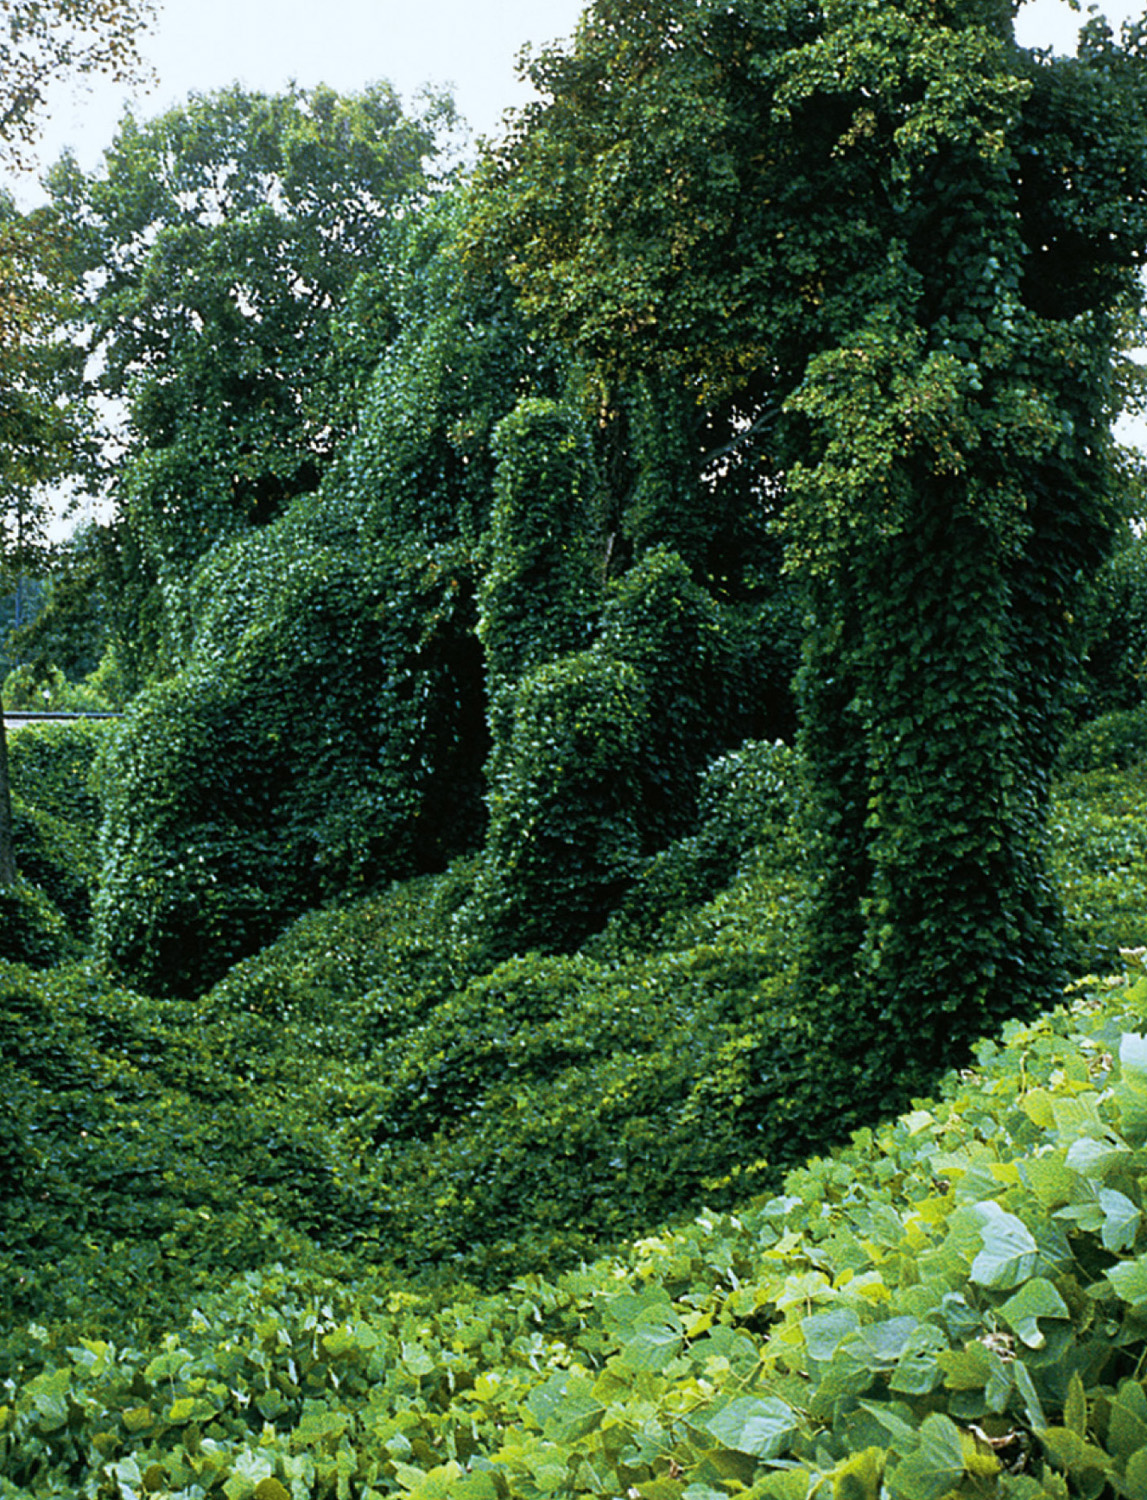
(1099, 856)
(950, 1306)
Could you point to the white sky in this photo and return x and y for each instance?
(470, 45)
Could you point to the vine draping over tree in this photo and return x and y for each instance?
(903, 248)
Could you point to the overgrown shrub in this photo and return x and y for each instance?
(328, 733)
(746, 806)
(56, 814)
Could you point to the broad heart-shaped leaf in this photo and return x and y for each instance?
(1009, 1252)
(1037, 1298)
(1092, 1158)
(937, 1465)
(823, 1332)
(657, 1337)
(1120, 1220)
(1129, 1278)
(1127, 1422)
(565, 1406)
(1131, 1089)
(760, 1425)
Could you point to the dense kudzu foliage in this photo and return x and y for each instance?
(56, 815)
(320, 740)
(872, 244)
(951, 1305)
(361, 1093)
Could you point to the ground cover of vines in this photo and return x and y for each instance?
(342, 1224)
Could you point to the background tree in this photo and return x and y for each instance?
(220, 241)
(900, 248)
(42, 432)
(41, 41)
(45, 40)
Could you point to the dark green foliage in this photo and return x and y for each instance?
(56, 816)
(51, 768)
(746, 806)
(1116, 627)
(321, 739)
(598, 754)
(141, 1162)
(540, 591)
(890, 255)
(698, 674)
(565, 830)
(32, 930)
(221, 239)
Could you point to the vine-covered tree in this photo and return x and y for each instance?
(221, 239)
(900, 247)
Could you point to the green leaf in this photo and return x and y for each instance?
(1075, 1407)
(1029, 1395)
(1134, 1484)
(824, 1332)
(1092, 1158)
(656, 1340)
(1009, 1252)
(936, 1466)
(1129, 1278)
(859, 1476)
(1131, 1088)
(1127, 1421)
(1037, 1298)
(761, 1426)
(1077, 1457)
(1120, 1220)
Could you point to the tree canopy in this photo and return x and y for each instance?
(902, 248)
(219, 242)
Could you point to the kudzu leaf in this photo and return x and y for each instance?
(1129, 1278)
(759, 1425)
(880, 1345)
(824, 1332)
(1075, 1407)
(1009, 1252)
(655, 1341)
(936, 1466)
(1074, 1454)
(1131, 1088)
(1120, 1220)
(1092, 1158)
(1127, 1422)
(859, 1477)
(1029, 1395)
(1037, 1298)
(1135, 1476)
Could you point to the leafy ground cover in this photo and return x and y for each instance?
(956, 1303)
(310, 1232)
